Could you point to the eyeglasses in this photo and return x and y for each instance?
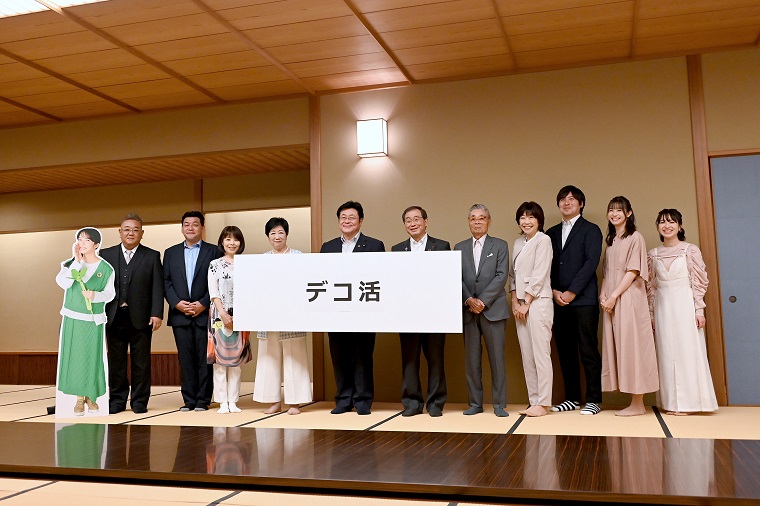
(348, 219)
(478, 219)
(128, 230)
(416, 220)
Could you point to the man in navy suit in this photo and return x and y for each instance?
(577, 246)
(133, 315)
(485, 271)
(186, 291)
(415, 220)
(351, 352)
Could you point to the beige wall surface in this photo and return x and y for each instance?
(732, 99)
(201, 130)
(611, 130)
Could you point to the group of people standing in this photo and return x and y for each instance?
(652, 307)
(652, 315)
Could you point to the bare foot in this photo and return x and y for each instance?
(631, 411)
(274, 408)
(294, 410)
(524, 411)
(536, 411)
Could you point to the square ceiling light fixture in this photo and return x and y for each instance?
(372, 138)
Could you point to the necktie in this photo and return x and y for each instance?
(129, 256)
(476, 250)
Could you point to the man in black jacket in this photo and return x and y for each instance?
(415, 221)
(186, 291)
(577, 245)
(133, 315)
(351, 352)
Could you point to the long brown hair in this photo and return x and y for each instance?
(623, 203)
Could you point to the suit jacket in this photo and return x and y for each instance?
(145, 295)
(432, 244)
(531, 267)
(175, 282)
(574, 266)
(364, 243)
(489, 283)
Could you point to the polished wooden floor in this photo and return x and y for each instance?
(496, 464)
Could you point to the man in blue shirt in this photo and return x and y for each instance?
(186, 291)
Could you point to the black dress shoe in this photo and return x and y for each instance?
(115, 409)
(139, 410)
(411, 411)
(362, 411)
(435, 411)
(339, 410)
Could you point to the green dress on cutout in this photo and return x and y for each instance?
(80, 370)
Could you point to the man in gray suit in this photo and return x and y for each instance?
(485, 268)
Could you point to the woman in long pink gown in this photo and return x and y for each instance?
(629, 362)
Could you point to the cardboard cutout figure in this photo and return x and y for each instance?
(88, 283)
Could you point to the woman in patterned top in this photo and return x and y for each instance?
(228, 350)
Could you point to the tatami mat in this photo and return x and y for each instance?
(30, 403)
(317, 416)
(572, 423)
(731, 422)
(453, 420)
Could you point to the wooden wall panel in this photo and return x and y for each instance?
(39, 368)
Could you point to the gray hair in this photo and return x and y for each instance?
(132, 216)
(479, 206)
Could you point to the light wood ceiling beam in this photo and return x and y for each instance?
(504, 34)
(263, 52)
(29, 109)
(131, 50)
(379, 39)
(67, 80)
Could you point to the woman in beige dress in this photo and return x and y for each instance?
(677, 285)
(629, 363)
(282, 351)
(532, 306)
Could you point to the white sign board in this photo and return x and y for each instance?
(334, 292)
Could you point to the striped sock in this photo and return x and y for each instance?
(567, 406)
(591, 408)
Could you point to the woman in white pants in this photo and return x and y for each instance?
(530, 284)
(281, 351)
(228, 350)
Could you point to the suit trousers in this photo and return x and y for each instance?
(576, 331)
(226, 383)
(351, 354)
(494, 336)
(282, 363)
(432, 345)
(124, 340)
(535, 337)
(197, 375)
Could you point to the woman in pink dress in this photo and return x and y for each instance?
(629, 362)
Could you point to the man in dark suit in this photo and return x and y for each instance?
(485, 268)
(186, 291)
(133, 315)
(351, 352)
(577, 246)
(415, 220)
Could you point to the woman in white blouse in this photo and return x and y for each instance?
(228, 350)
(281, 351)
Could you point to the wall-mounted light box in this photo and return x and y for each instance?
(372, 137)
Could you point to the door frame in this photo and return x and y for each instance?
(708, 236)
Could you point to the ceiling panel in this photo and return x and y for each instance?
(128, 56)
